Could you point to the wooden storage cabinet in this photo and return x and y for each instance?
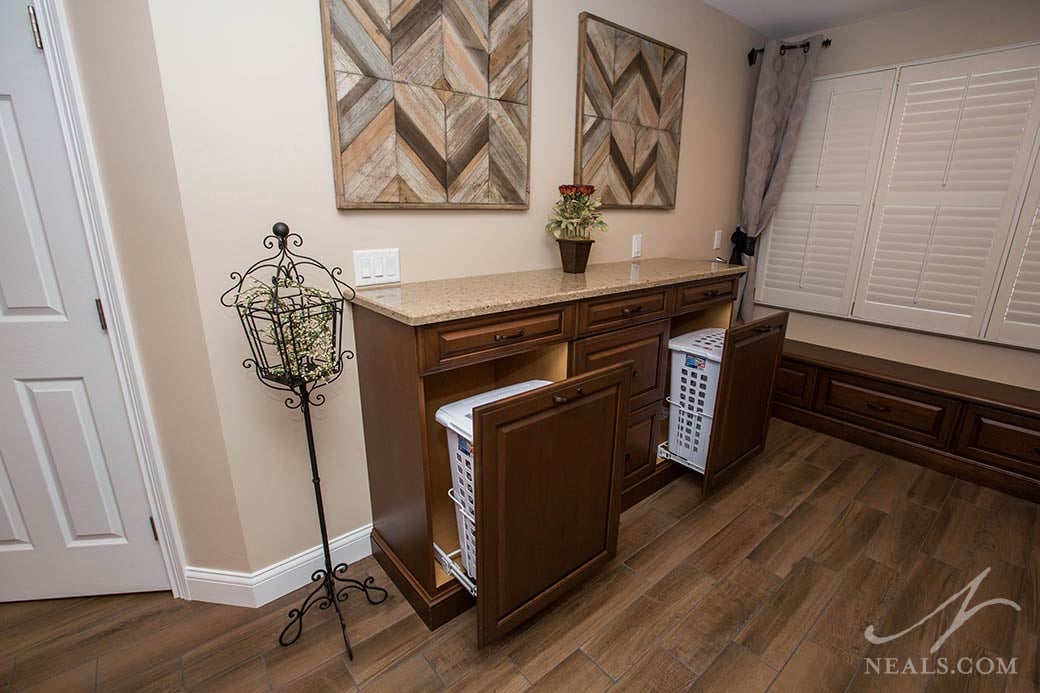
(572, 454)
(1002, 438)
(987, 433)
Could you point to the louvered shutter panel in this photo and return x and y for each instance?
(1016, 312)
(812, 249)
(961, 134)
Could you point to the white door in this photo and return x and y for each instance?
(74, 517)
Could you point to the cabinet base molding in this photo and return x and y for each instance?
(434, 610)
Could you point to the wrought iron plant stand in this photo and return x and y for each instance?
(295, 333)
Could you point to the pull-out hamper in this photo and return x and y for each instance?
(457, 418)
(696, 363)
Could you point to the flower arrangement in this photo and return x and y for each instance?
(576, 214)
(297, 322)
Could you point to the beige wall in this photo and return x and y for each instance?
(943, 28)
(245, 102)
(120, 80)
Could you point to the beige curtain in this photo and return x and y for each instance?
(780, 102)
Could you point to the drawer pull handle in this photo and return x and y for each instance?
(713, 292)
(516, 335)
(628, 457)
(559, 399)
(635, 373)
(878, 407)
(632, 311)
(764, 329)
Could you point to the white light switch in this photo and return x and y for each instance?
(637, 245)
(376, 267)
(718, 239)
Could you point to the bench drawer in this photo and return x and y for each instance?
(611, 312)
(899, 411)
(1002, 438)
(472, 340)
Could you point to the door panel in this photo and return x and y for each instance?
(646, 346)
(28, 285)
(639, 440)
(750, 359)
(548, 493)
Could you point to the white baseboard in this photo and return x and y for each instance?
(274, 581)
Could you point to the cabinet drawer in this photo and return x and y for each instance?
(1002, 438)
(480, 339)
(639, 439)
(646, 346)
(611, 312)
(794, 383)
(689, 297)
(899, 411)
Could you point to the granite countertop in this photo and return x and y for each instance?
(424, 303)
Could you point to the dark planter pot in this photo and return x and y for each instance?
(574, 254)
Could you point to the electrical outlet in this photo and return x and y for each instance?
(718, 239)
(376, 267)
(637, 245)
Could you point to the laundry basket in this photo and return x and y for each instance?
(457, 418)
(696, 362)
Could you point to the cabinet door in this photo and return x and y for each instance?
(646, 346)
(548, 493)
(640, 456)
(750, 359)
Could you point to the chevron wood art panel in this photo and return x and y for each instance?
(429, 102)
(630, 100)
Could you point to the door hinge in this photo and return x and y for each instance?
(151, 521)
(35, 27)
(101, 315)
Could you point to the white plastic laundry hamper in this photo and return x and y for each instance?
(696, 362)
(457, 418)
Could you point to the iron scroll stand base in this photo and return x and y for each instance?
(332, 586)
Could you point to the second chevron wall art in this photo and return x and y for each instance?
(629, 115)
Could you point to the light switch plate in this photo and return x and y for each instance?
(377, 267)
(718, 239)
(637, 245)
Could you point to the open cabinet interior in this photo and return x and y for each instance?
(544, 363)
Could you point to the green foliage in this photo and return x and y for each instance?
(298, 324)
(576, 215)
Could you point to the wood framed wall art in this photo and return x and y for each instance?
(629, 115)
(429, 102)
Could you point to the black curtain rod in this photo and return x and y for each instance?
(752, 56)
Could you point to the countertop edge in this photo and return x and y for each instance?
(490, 309)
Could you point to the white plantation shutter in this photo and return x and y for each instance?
(1016, 312)
(961, 134)
(815, 241)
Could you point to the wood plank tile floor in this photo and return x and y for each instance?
(767, 584)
